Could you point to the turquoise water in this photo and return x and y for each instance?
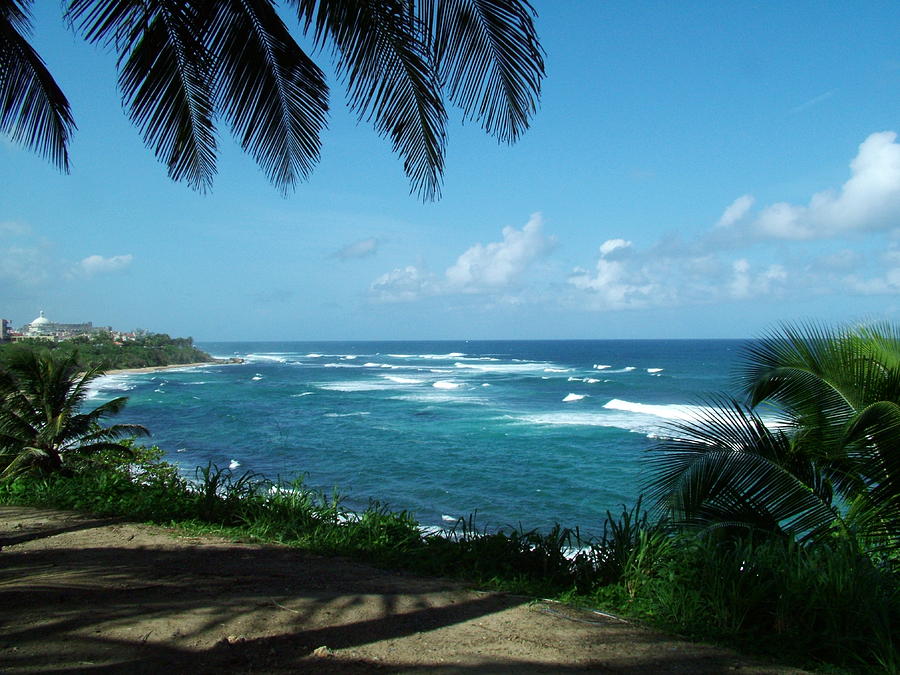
(523, 432)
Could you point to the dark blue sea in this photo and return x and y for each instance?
(524, 433)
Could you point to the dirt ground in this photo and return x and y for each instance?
(82, 594)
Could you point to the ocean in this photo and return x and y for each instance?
(520, 433)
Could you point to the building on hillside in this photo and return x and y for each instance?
(43, 328)
(4, 330)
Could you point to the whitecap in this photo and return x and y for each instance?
(356, 385)
(519, 367)
(446, 384)
(600, 366)
(341, 365)
(449, 519)
(402, 380)
(313, 355)
(352, 414)
(557, 370)
(256, 377)
(590, 380)
(264, 357)
(400, 356)
(573, 397)
(233, 464)
(575, 379)
(485, 384)
(654, 370)
(104, 383)
(677, 412)
(349, 357)
(305, 393)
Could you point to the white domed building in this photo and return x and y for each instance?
(40, 326)
(43, 328)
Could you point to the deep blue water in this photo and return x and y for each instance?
(523, 432)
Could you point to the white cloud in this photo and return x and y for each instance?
(869, 200)
(625, 278)
(12, 228)
(25, 266)
(403, 284)
(97, 264)
(745, 284)
(620, 280)
(491, 268)
(499, 264)
(358, 249)
(736, 211)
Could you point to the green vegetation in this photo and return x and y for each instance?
(42, 422)
(102, 351)
(829, 467)
(773, 540)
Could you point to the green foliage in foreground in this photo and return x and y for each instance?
(826, 604)
(829, 467)
(43, 420)
(100, 351)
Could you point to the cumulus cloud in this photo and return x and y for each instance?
(358, 249)
(404, 284)
(869, 200)
(620, 279)
(736, 211)
(625, 278)
(97, 264)
(745, 283)
(499, 264)
(483, 268)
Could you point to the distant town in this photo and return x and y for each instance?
(42, 328)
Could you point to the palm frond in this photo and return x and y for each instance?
(384, 57)
(165, 76)
(489, 60)
(272, 94)
(727, 466)
(33, 109)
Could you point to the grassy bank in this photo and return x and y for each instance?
(828, 606)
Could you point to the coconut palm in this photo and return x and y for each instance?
(33, 109)
(42, 421)
(828, 455)
(183, 65)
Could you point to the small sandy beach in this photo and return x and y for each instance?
(174, 366)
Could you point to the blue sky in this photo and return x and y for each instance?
(695, 170)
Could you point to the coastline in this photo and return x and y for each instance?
(172, 366)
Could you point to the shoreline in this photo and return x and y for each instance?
(172, 366)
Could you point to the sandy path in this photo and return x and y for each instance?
(81, 594)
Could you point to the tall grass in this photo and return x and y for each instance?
(823, 604)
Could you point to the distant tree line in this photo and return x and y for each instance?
(101, 351)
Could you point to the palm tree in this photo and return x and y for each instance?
(828, 455)
(42, 424)
(183, 64)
